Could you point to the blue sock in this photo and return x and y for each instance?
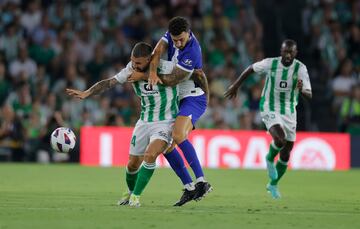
(190, 154)
(177, 164)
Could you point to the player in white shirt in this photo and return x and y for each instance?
(152, 133)
(286, 77)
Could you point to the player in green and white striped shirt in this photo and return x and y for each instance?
(152, 133)
(286, 77)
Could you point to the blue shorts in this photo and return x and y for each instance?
(193, 107)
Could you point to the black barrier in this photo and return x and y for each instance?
(355, 151)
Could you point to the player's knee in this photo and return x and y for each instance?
(179, 136)
(132, 166)
(150, 156)
(279, 141)
(285, 156)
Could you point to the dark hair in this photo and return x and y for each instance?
(289, 43)
(177, 25)
(141, 49)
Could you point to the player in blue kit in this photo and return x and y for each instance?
(181, 47)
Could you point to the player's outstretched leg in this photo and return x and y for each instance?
(273, 151)
(132, 170)
(145, 174)
(202, 187)
(276, 172)
(191, 109)
(183, 126)
(272, 187)
(178, 165)
(147, 169)
(281, 167)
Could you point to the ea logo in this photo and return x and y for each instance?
(313, 153)
(148, 87)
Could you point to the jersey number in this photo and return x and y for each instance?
(133, 140)
(283, 84)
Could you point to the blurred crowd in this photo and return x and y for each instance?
(49, 45)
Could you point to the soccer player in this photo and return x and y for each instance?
(183, 49)
(152, 133)
(286, 77)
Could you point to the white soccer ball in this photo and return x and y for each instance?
(63, 140)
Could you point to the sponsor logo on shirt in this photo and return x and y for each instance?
(148, 87)
(187, 62)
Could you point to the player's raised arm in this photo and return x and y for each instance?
(231, 92)
(97, 88)
(159, 49)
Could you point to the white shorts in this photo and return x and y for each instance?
(287, 122)
(146, 132)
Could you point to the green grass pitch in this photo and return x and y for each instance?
(71, 196)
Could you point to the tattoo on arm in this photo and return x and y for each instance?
(178, 75)
(200, 79)
(102, 86)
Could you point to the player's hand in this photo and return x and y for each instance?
(154, 79)
(231, 92)
(136, 76)
(299, 84)
(77, 94)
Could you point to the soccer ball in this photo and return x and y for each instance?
(63, 140)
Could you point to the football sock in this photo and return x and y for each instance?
(200, 179)
(177, 164)
(281, 167)
(131, 178)
(191, 157)
(273, 151)
(145, 173)
(190, 186)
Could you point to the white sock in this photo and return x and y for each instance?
(200, 179)
(189, 186)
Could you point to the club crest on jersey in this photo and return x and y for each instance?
(148, 87)
(187, 62)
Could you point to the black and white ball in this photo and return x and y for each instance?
(63, 140)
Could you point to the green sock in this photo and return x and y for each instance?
(273, 151)
(281, 169)
(131, 179)
(145, 173)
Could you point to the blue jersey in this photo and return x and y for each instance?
(187, 59)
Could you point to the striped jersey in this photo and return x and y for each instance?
(280, 93)
(158, 103)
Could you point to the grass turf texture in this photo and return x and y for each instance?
(70, 196)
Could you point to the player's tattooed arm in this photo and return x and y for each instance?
(97, 88)
(231, 92)
(199, 78)
(178, 75)
(102, 86)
